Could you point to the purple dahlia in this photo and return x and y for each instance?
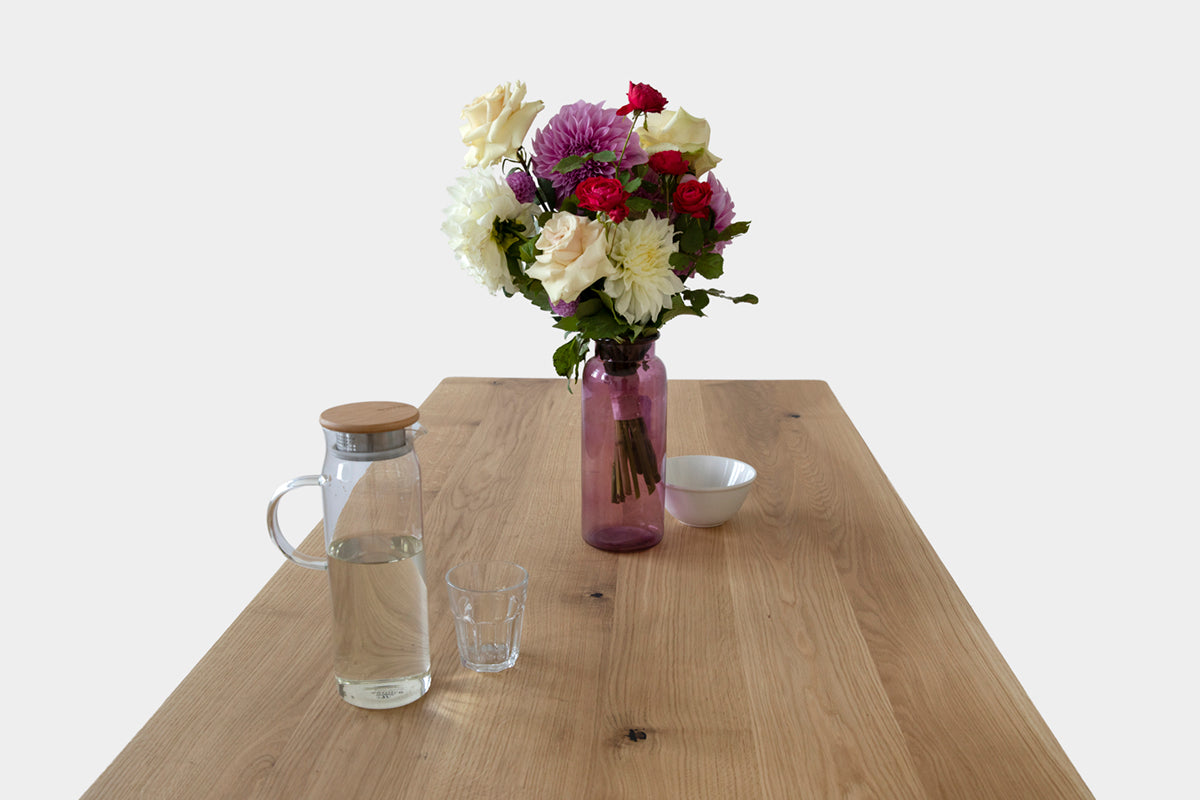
(722, 208)
(579, 129)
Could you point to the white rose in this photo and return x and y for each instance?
(679, 130)
(574, 256)
(497, 123)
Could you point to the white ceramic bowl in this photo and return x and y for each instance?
(705, 491)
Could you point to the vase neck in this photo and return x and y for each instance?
(625, 356)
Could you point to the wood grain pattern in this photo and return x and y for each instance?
(812, 647)
(371, 416)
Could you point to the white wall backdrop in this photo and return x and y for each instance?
(977, 221)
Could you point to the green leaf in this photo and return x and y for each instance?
(731, 230)
(587, 308)
(697, 297)
(514, 268)
(532, 289)
(606, 156)
(570, 163)
(681, 260)
(710, 265)
(529, 251)
(564, 359)
(569, 356)
(596, 319)
(603, 326)
(679, 307)
(639, 203)
(604, 299)
(692, 239)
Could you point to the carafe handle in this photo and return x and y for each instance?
(273, 522)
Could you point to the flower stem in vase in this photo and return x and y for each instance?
(633, 452)
(633, 456)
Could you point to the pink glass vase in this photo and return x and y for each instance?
(624, 441)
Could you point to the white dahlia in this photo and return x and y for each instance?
(644, 283)
(480, 198)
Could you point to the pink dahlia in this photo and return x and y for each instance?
(577, 130)
(721, 206)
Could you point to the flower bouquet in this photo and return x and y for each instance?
(606, 222)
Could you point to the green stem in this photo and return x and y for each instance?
(628, 134)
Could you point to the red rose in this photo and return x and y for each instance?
(668, 162)
(692, 197)
(643, 97)
(603, 194)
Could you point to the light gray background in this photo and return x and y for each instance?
(978, 222)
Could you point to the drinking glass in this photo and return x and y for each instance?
(488, 602)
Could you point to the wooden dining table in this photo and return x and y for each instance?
(813, 646)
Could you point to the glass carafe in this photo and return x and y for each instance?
(374, 551)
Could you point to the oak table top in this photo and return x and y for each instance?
(812, 647)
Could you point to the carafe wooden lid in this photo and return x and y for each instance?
(369, 417)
